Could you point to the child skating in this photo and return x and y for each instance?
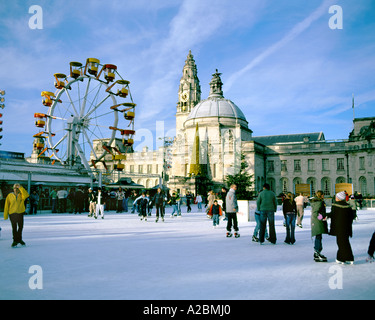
(215, 212)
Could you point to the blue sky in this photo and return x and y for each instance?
(280, 62)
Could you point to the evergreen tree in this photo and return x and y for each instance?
(242, 179)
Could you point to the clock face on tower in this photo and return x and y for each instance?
(184, 96)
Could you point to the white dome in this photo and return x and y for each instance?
(218, 107)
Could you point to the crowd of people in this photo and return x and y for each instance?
(343, 212)
(342, 215)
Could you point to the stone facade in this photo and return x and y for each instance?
(282, 160)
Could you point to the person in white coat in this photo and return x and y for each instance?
(300, 202)
(99, 204)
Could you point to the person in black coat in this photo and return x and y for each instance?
(158, 200)
(341, 226)
(371, 249)
(143, 203)
(290, 214)
(189, 199)
(223, 195)
(78, 200)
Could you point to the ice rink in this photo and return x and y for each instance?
(120, 257)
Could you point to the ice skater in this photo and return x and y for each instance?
(290, 213)
(301, 201)
(92, 202)
(199, 200)
(341, 226)
(215, 212)
(100, 202)
(159, 204)
(255, 237)
(143, 203)
(173, 202)
(14, 209)
(231, 211)
(267, 206)
(318, 224)
(371, 249)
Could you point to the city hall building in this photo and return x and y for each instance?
(223, 132)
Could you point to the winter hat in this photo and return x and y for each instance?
(341, 195)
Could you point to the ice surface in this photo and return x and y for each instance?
(184, 258)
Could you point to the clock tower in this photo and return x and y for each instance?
(189, 93)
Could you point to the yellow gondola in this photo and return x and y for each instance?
(40, 123)
(109, 72)
(39, 143)
(123, 92)
(60, 80)
(75, 69)
(92, 66)
(119, 167)
(130, 115)
(119, 157)
(47, 101)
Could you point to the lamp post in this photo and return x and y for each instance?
(2, 106)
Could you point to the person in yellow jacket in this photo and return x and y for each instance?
(15, 209)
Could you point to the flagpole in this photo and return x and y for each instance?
(353, 108)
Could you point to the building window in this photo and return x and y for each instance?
(270, 166)
(149, 168)
(140, 168)
(325, 164)
(361, 163)
(363, 186)
(326, 186)
(284, 167)
(312, 186)
(340, 164)
(285, 186)
(271, 182)
(297, 165)
(131, 168)
(310, 164)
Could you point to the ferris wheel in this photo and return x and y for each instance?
(87, 112)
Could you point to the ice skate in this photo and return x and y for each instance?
(157, 219)
(318, 257)
(236, 235)
(254, 239)
(229, 234)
